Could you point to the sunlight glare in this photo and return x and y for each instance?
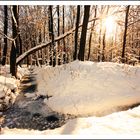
(110, 26)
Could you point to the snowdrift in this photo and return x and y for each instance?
(88, 88)
(9, 86)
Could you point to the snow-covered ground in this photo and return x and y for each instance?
(90, 90)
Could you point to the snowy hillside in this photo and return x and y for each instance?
(88, 88)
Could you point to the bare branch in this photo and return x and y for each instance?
(133, 23)
(11, 39)
(38, 47)
(13, 17)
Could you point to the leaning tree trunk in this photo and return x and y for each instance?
(125, 33)
(13, 68)
(83, 34)
(5, 33)
(76, 33)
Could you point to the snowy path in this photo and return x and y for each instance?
(28, 98)
(29, 112)
(28, 84)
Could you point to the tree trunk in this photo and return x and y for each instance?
(51, 35)
(76, 32)
(19, 41)
(83, 34)
(5, 32)
(125, 33)
(104, 45)
(63, 31)
(90, 38)
(17, 28)
(58, 33)
(99, 49)
(58, 21)
(0, 51)
(13, 68)
(104, 39)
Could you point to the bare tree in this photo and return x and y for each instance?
(5, 32)
(13, 68)
(58, 33)
(63, 31)
(64, 18)
(125, 33)
(90, 37)
(104, 38)
(51, 35)
(76, 32)
(83, 33)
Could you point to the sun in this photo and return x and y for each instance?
(109, 25)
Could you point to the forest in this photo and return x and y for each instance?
(69, 69)
(55, 35)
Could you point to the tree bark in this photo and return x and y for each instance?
(58, 21)
(58, 60)
(63, 31)
(13, 68)
(51, 35)
(76, 33)
(125, 33)
(90, 38)
(5, 32)
(83, 34)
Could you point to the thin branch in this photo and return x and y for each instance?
(11, 39)
(13, 17)
(133, 23)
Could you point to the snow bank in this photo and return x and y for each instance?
(88, 88)
(9, 85)
(21, 71)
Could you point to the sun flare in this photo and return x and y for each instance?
(110, 25)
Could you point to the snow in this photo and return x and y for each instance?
(9, 83)
(21, 71)
(120, 123)
(88, 88)
(96, 92)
